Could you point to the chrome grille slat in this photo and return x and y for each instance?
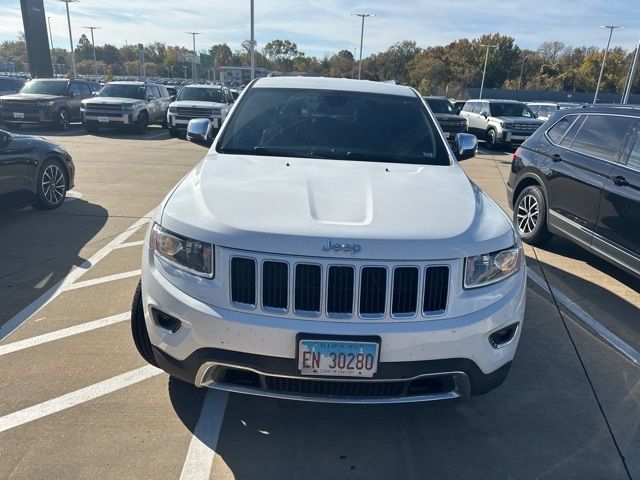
(405, 292)
(243, 281)
(275, 285)
(307, 290)
(435, 290)
(373, 291)
(340, 287)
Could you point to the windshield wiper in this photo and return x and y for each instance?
(261, 150)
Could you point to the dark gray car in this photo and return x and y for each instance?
(53, 101)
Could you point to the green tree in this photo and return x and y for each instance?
(221, 54)
(84, 49)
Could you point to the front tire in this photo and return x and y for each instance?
(142, 124)
(530, 216)
(51, 186)
(139, 328)
(492, 142)
(63, 120)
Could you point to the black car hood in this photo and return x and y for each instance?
(448, 117)
(31, 97)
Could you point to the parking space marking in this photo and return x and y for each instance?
(202, 449)
(129, 244)
(22, 316)
(158, 135)
(587, 321)
(108, 278)
(72, 399)
(65, 332)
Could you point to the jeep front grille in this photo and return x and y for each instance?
(193, 112)
(338, 289)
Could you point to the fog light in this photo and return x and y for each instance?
(166, 321)
(503, 336)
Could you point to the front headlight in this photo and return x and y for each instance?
(507, 125)
(492, 267)
(128, 106)
(172, 109)
(45, 104)
(186, 254)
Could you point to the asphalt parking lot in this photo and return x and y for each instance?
(78, 402)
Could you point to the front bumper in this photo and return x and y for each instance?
(108, 118)
(27, 115)
(514, 137)
(449, 357)
(180, 122)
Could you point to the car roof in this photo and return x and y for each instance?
(129, 82)
(605, 108)
(55, 79)
(339, 84)
(491, 100)
(199, 85)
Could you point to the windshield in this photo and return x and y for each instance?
(333, 125)
(44, 88)
(123, 91)
(440, 105)
(202, 95)
(511, 110)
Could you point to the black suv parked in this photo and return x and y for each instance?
(9, 85)
(54, 101)
(127, 104)
(450, 122)
(579, 176)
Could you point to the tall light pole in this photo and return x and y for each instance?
(252, 51)
(93, 43)
(73, 56)
(632, 74)
(604, 59)
(484, 71)
(521, 70)
(194, 74)
(51, 44)
(363, 16)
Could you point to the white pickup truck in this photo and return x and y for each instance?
(330, 248)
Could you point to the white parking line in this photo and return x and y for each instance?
(63, 333)
(202, 449)
(129, 244)
(587, 321)
(97, 281)
(22, 316)
(75, 398)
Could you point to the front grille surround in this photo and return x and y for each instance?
(323, 265)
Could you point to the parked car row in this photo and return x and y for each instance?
(131, 104)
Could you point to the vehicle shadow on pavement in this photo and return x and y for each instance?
(76, 130)
(543, 422)
(39, 248)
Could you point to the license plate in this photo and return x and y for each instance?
(338, 358)
(103, 119)
(18, 115)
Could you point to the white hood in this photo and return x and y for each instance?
(196, 104)
(294, 206)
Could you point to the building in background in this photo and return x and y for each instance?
(238, 76)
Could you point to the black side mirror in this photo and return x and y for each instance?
(172, 98)
(466, 146)
(5, 138)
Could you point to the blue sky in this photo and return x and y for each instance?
(324, 26)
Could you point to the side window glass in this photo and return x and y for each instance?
(634, 156)
(485, 109)
(602, 135)
(560, 128)
(467, 107)
(74, 88)
(568, 138)
(84, 88)
(475, 108)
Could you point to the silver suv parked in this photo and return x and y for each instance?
(506, 122)
(126, 104)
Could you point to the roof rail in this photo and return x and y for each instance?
(611, 105)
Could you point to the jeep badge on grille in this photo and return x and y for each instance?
(342, 247)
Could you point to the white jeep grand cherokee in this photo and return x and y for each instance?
(330, 248)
